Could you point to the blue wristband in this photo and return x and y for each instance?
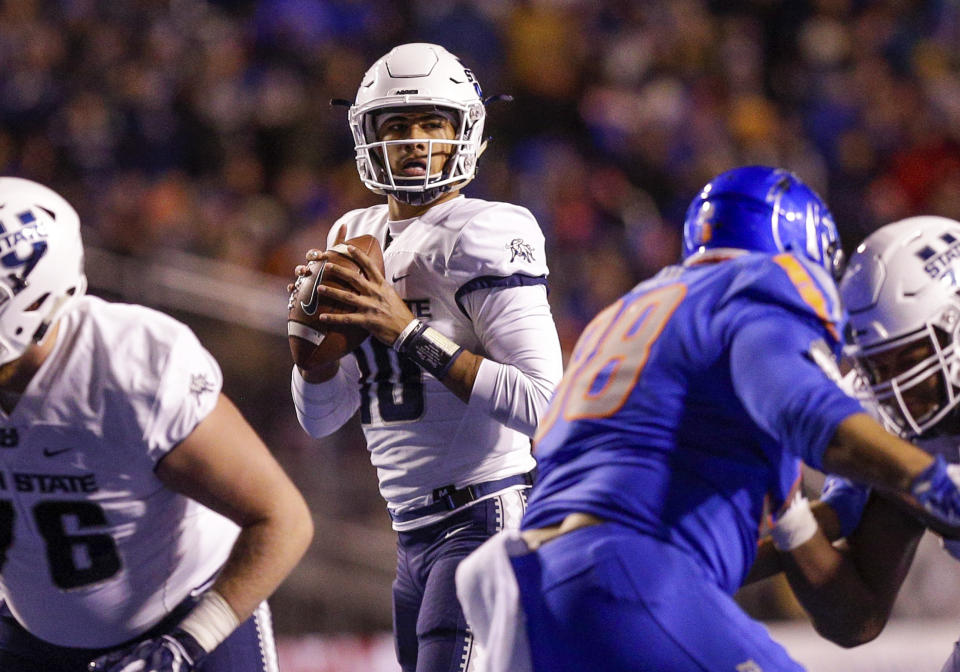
(847, 499)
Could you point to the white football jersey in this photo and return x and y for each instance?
(94, 549)
(419, 434)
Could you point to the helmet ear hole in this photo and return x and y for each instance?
(36, 304)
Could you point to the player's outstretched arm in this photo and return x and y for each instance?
(848, 589)
(225, 466)
(862, 450)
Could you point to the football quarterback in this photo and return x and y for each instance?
(463, 353)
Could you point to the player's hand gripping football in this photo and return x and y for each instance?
(174, 652)
(377, 306)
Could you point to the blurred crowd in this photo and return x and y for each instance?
(205, 126)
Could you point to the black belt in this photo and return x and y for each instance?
(449, 498)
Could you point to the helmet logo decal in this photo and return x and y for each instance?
(20, 250)
(473, 80)
(774, 196)
(704, 224)
(940, 264)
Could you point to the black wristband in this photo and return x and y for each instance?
(431, 350)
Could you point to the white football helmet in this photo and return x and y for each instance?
(41, 263)
(900, 289)
(414, 77)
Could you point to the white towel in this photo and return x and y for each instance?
(488, 592)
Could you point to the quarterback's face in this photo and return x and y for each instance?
(414, 159)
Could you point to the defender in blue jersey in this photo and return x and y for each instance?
(682, 417)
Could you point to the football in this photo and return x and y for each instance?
(313, 344)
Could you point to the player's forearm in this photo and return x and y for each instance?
(863, 451)
(462, 375)
(509, 395)
(769, 560)
(849, 590)
(263, 555)
(827, 584)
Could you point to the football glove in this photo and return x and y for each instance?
(937, 490)
(847, 499)
(177, 651)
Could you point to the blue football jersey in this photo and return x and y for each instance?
(691, 400)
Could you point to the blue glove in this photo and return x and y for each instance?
(847, 499)
(937, 489)
(177, 651)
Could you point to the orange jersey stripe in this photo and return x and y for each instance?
(808, 289)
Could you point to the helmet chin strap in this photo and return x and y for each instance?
(424, 197)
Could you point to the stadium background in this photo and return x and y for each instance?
(196, 140)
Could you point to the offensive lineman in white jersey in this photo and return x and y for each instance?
(447, 409)
(142, 521)
(901, 290)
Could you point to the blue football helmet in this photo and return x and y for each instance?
(761, 209)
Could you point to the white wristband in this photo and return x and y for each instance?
(796, 526)
(405, 334)
(211, 621)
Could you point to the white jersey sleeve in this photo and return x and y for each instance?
(498, 243)
(501, 257)
(322, 408)
(516, 328)
(186, 393)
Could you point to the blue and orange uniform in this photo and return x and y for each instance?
(685, 406)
